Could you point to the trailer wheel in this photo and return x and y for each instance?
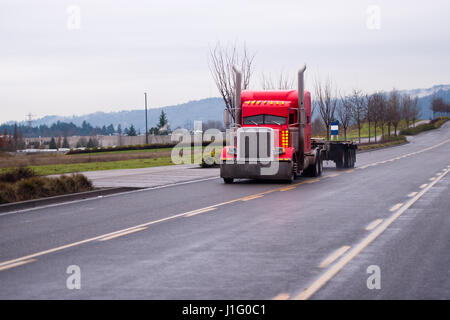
(347, 159)
(228, 180)
(352, 158)
(340, 162)
(320, 156)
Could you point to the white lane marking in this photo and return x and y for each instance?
(407, 155)
(423, 186)
(333, 257)
(373, 224)
(412, 194)
(336, 268)
(433, 178)
(396, 207)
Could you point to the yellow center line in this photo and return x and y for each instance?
(287, 188)
(396, 207)
(195, 212)
(120, 234)
(333, 257)
(281, 296)
(16, 264)
(252, 197)
(373, 224)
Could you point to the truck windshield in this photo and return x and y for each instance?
(265, 119)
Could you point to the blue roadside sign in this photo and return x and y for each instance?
(334, 127)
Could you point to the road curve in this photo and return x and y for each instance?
(313, 239)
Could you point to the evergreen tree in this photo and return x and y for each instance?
(162, 120)
(90, 143)
(110, 129)
(132, 131)
(65, 143)
(119, 129)
(52, 144)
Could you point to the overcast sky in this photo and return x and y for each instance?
(50, 64)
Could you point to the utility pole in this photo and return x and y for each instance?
(146, 123)
(30, 120)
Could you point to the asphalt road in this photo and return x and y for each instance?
(313, 239)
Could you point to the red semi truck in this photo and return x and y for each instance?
(271, 137)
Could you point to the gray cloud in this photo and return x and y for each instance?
(126, 47)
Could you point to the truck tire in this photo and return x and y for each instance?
(346, 158)
(340, 162)
(228, 180)
(352, 155)
(293, 175)
(315, 170)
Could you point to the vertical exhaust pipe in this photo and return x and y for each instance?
(301, 119)
(237, 97)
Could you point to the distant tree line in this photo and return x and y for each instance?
(59, 128)
(439, 107)
(378, 109)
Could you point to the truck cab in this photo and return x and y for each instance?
(271, 137)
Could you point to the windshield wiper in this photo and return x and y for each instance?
(273, 121)
(254, 122)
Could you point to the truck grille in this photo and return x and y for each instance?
(255, 144)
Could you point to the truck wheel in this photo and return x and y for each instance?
(315, 169)
(228, 180)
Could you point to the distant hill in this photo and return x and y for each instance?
(178, 115)
(426, 95)
(207, 109)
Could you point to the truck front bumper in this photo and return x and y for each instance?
(280, 170)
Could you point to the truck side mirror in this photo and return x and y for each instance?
(226, 118)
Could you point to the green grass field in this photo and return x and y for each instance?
(94, 166)
(125, 151)
(353, 132)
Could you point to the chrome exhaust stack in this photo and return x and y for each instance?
(301, 119)
(237, 97)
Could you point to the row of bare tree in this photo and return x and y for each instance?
(377, 109)
(355, 108)
(439, 106)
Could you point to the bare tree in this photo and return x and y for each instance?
(283, 82)
(370, 112)
(325, 102)
(406, 109)
(377, 106)
(359, 108)
(221, 62)
(344, 112)
(317, 127)
(415, 110)
(394, 114)
(437, 105)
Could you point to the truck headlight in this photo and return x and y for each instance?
(231, 151)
